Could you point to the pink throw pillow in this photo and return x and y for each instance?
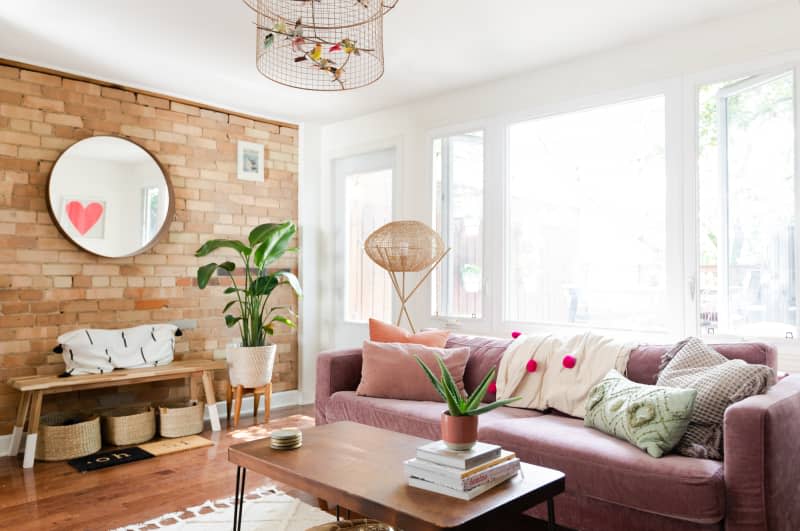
(389, 370)
(389, 333)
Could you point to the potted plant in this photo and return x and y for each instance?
(250, 365)
(460, 421)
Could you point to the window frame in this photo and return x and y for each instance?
(457, 321)
(681, 122)
(692, 84)
(674, 265)
(436, 294)
(496, 178)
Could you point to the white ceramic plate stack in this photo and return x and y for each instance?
(286, 439)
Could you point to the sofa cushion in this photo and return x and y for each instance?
(484, 355)
(389, 333)
(650, 417)
(406, 416)
(719, 382)
(390, 370)
(645, 360)
(605, 468)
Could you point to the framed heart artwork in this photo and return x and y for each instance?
(83, 217)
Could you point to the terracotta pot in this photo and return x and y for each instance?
(459, 433)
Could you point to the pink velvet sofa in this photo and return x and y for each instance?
(612, 485)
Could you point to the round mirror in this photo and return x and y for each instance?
(109, 196)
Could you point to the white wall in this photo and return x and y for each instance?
(712, 45)
(310, 340)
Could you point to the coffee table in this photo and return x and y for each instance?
(361, 468)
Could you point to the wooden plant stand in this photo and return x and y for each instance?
(238, 393)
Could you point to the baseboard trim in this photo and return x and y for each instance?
(281, 399)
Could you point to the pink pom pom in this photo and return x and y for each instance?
(515, 334)
(492, 389)
(569, 361)
(531, 366)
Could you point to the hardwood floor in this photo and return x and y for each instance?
(56, 496)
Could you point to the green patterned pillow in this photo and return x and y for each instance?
(651, 417)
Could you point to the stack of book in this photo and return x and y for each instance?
(460, 474)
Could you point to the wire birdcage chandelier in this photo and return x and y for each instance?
(323, 45)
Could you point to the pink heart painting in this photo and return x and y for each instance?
(82, 217)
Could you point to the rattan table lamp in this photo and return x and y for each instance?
(405, 247)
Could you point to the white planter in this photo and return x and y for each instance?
(251, 366)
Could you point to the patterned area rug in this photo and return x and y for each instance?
(265, 509)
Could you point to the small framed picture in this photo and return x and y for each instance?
(250, 161)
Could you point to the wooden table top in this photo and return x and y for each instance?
(176, 369)
(360, 467)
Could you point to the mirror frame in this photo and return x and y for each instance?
(167, 219)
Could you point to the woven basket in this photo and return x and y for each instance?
(251, 366)
(178, 420)
(129, 426)
(57, 442)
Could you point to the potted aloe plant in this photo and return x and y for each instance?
(250, 365)
(460, 421)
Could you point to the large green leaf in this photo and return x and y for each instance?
(285, 320)
(231, 320)
(258, 234)
(228, 266)
(204, 274)
(262, 286)
(291, 280)
(273, 244)
(212, 245)
(493, 405)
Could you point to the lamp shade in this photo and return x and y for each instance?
(404, 246)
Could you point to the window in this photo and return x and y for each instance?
(458, 213)
(365, 185)
(586, 229)
(746, 157)
(150, 219)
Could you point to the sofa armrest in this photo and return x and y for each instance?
(337, 370)
(761, 459)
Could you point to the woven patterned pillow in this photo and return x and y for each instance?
(719, 382)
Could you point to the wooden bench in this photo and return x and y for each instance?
(33, 389)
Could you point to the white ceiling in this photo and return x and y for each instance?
(205, 49)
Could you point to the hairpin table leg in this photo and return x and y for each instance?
(238, 499)
(551, 515)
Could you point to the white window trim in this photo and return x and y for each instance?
(671, 91)
(692, 84)
(459, 321)
(682, 201)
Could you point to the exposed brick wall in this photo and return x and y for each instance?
(49, 286)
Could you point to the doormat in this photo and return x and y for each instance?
(178, 444)
(108, 459)
(137, 453)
